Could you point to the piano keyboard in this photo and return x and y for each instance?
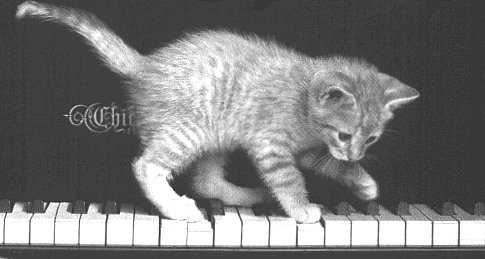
(79, 224)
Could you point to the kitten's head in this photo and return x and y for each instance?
(350, 104)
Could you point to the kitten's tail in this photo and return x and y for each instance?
(117, 55)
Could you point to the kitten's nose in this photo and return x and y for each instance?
(353, 159)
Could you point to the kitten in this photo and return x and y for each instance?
(214, 91)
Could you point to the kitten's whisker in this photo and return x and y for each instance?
(373, 158)
(327, 164)
(388, 134)
(318, 162)
(391, 130)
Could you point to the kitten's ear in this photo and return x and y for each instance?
(397, 93)
(335, 95)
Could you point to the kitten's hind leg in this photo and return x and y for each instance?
(208, 181)
(153, 180)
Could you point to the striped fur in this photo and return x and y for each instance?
(214, 91)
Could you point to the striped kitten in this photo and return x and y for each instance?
(214, 91)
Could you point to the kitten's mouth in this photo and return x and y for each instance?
(342, 156)
(338, 155)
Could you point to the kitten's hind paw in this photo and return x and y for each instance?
(309, 213)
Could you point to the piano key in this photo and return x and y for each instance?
(479, 209)
(227, 228)
(445, 228)
(337, 227)
(311, 234)
(173, 232)
(79, 207)
(364, 229)
(343, 208)
(92, 226)
(200, 233)
(146, 228)
(419, 229)
(67, 225)
(392, 228)
(282, 230)
(372, 208)
(4, 209)
(255, 229)
(110, 207)
(472, 227)
(216, 207)
(17, 225)
(42, 224)
(403, 208)
(37, 206)
(119, 226)
(447, 209)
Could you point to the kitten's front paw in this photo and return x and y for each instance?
(309, 213)
(183, 208)
(367, 190)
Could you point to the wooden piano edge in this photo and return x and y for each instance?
(131, 249)
(15, 252)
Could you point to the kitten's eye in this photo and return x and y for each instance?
(370, 139)
(344, 136)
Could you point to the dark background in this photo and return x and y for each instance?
(433, 152)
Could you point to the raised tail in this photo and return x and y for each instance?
(115, 53)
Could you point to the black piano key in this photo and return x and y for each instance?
(479, 208)
(216, 207)
(402, 209)
(260, 209)
(372, 208)
(343, 208)
(37, 206)
(79, 207)
(448, 209)
(153, 211)
(110, 207)
(5, 206)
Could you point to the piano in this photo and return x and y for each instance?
(39, 227)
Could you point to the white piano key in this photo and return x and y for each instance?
(5, 208)
(2, 224)
(173, 232)
(67, 226)
(392, 228)
(282, 231)
(200, 233)
(472, 228)
(337, 229)
(42, 225)
(419, 229)
(146, 228)
(310, 235)
(92, 226)
(255, 229)
(364, 229)
(227, 228)
(119, 227)
(445, 228)
(17, 225)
